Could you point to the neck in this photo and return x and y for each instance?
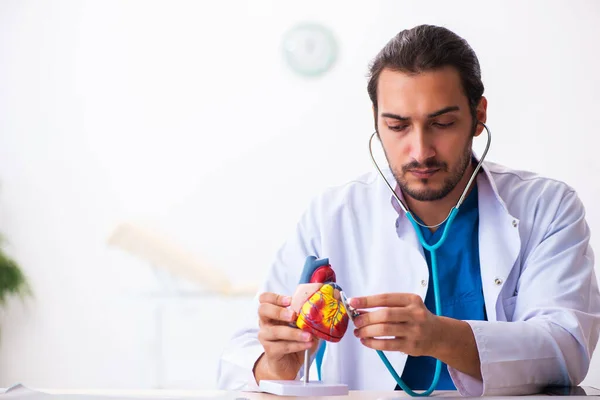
(434, 212)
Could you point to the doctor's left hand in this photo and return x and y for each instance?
(401, 323)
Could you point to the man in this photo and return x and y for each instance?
(519, 296)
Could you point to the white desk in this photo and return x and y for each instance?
(207, 394)
(214, 394)
(97, 394)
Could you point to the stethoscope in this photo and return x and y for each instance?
(432, 250)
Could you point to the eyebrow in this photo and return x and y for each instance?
(432, 115)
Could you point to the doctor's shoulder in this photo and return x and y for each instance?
(537, 201)
(348, 198)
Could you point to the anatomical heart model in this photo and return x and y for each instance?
(321, 311)
(317, 302)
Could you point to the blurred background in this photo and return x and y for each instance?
(203, 123)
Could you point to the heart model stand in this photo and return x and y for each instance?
(315, 271)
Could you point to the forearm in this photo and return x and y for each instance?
(456, 347)
(237, 362)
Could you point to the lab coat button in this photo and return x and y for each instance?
(423, 283)
(498, 281)
(514, 223)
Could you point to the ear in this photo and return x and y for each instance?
(481, 114)
(375, 119)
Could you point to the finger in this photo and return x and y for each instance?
(302, 293)
(379, 330)
(384, 315)
(398, 344)
(281, 348)
(337, 295)
(283, 332)
(274, 298)
(272, 312)
(385, 300)
(315, 345)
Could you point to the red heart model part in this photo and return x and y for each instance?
(323, 274)
(323, 315)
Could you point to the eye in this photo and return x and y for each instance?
(397, 128)
(441, 125)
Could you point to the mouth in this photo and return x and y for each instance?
(424, 173)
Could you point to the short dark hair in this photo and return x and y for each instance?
(424, 48)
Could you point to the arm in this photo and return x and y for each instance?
(242, 358)
(403, 323)
(555, 325)
(550, 341)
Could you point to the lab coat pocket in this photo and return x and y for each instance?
(509, 307)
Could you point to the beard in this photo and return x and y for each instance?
(428, 193)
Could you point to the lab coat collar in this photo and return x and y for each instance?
(483, 172)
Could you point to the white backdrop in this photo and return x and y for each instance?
(183, 115)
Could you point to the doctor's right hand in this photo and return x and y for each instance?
(284, 345)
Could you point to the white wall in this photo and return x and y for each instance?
(183, 115)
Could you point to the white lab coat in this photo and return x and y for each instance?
(537, 270)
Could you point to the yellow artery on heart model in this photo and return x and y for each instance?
(324, 314)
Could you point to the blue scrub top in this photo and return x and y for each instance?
(460, 286)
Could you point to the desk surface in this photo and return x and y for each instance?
(163, 394)
(218, 394)
(224, 395)
(158, 394)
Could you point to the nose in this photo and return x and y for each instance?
(421, 146)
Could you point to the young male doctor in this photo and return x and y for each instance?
(520, 299)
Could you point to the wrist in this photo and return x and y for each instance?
(448, 336)
(263, 370)
(454, 344)
(442, 342)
